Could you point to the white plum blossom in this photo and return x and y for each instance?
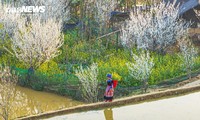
(155, 30)
(8, 21)
(141, 68)
(188, 55)
(37, 42)
(89, 82)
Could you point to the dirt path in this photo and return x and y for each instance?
(193, 83)
(184, 87)
(117, 102)
(178, 108)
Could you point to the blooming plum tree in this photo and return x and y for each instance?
(141, 68)
(89, 82)
(154, 30)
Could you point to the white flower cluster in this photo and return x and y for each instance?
(89, 82)
(35, 38)
(37, 42)
(154, 30)
(8, 21)
(189, 54)
(142, 66)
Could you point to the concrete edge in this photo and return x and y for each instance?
(117, 102)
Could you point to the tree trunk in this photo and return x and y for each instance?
(117, 42)
(189, 73)
(145, 86)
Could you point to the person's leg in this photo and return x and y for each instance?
(106, 99)
(110, 99)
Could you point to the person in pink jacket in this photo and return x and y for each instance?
(108, 95)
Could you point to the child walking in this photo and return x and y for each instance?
(108, 95)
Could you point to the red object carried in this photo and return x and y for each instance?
(115, 82)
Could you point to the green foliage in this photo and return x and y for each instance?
(81, 47)
(78, 50)
(22, 76)
(166, 67)
(37, 81)
(197, 63)
(46, 75)
(1, 26)
(59, 72)
(6, 57)
(50, 68)
(115, 62)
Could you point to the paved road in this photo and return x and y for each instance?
(179, 108)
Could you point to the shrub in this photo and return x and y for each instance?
(89, 82)
(188, 56)
(141, 68)
(167, 66)
(50, 68)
